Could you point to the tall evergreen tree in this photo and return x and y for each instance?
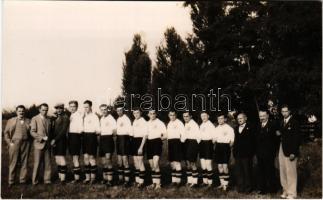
(136, 72)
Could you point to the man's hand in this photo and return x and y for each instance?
(291, 157)
(140, 151)
(45, 138)
(278, 133)
(52, 143)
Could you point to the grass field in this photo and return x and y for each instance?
(309, 170)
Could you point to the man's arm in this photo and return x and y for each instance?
(7, 136)
(33, 130)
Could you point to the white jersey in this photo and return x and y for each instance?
(175, 129)
(224, 134)
(124, 125)
(91, 123)
(156, 129)
(76, 123)
(108, 125)
(139, 128)
(207, 130)
(191, 131)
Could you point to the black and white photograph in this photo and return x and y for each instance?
(161, 99)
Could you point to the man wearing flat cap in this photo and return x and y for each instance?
(59, 140)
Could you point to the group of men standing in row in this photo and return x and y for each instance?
(86, 133)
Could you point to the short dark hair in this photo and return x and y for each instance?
(20, 106)
(264, 110)
(221, 114)
(73, 102)
(88, 102)
(43, 105)
(136, 108)
(285, 106)
(204, 111)
(187, 111)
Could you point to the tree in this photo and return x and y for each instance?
(136, 72)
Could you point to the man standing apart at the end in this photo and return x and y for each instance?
(16, 135)
(288, 153)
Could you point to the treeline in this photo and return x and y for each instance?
(254, 51)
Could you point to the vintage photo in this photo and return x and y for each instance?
(161, 99)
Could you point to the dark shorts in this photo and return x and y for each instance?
(222, 153)
(90, 144)
(191, 150)
(106, 145)
(123, 145)
(135, 144)
(60, 147)
(206, 149)
(74, 143)
(174, 150)
(154, 148)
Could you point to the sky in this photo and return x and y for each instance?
(56, 51)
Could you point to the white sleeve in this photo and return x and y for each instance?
(97, 124)
(181, 129)
(129, 127)
(231, 133)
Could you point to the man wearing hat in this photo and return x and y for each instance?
(59, 140)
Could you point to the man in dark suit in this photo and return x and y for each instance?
(266, 152)
(243, 152)
(59, 140)
(288, 153)
(41, 131)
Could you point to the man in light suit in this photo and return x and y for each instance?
(40, 131)
(16, 135)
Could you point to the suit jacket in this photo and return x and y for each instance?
(266, 140)
(290, 137)
(11, 127)
(39, 129)
(244, 142)
(61, 125)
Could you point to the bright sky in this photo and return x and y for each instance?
(55, 51)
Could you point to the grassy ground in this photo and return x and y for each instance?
(310, 183)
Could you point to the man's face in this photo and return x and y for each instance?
(120, 112)
(186, 117)
(152, 115)
(136, 114)
(285, 112)
(241, 119)
(172, 116)
(59, 110)
(43, 110)
(20, 112)
(204, 117)
(221, 120)
(87, 108)
(263, 116)
(104, 110)
(73, 107)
